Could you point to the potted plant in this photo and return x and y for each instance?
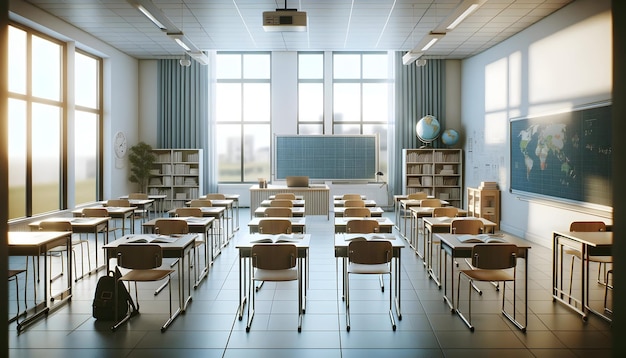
(141, 160)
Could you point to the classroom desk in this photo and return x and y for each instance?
(442, 225)
(235, 199)
(298, 203)
(178, 249)
(405, 206)
(416, 213)
(589, 244)
(341, 252)
(245, 247)
(298, 197)
(386, 225)
(159, 202)
(455, 249)
(396, 202)
(316, 196)
(216, 212)
(138, 204)
(36, 244)
(204, 226)
(229, 214)
(296, 211)
(368, 203)
(83, 226)
(340, 197)
(115, 212)
(298, 225)
(375, 211)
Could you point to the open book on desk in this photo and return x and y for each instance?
(163, 239)
(482, 238)
(278, 238)
(374, 236)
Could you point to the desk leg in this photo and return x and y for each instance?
(398, 281)
(243, 280)
(449, 301)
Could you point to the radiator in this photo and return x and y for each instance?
(316, 200)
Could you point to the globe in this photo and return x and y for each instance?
(427, 128)
(450, 137)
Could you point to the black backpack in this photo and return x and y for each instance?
(104, 302)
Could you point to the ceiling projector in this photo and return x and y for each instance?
(284, 20)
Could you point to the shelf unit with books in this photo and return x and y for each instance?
(484, 202)
(177, 173)
(435, 171)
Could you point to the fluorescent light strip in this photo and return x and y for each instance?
(182, 44)
(151, 17)
(462, 17)
(430, 43)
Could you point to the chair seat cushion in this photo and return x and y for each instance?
(276, 275)
(368, 269)
(488, 275)
(146, 275)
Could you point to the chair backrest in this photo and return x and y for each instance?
(274, 256)
(466, 226)
(583, 226)
(118, 203)
(55, 225)
(275, 226)
(494, 256)
(197, 203)
(95, 212)
(357, 212)
(195, 211)
(418, 196)
(171, 226)
(431, 203)
(448, 211)
(362, 226)
(351, 197)
(138, 196)
(288, 196)
(283, 203)
(369, 252)
(139, 257)
(216, 196)
(278, 212)
(358, 203)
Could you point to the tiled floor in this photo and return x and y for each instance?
(210, 328)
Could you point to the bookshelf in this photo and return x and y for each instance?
(437, 172)
(176, 173)
(484, 202)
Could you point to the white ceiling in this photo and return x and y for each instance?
(333, 25)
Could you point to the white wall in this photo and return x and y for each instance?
(559, 63)
(120, 87)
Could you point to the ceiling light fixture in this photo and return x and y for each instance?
(151, 17)
(465, 9)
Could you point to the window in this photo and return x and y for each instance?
(38, 122)
(362, 96)
(310, 93)
(243, 115)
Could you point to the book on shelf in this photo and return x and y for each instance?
(151, 239)
(488, 185)
(269, 239)
(482, 238)
(373, 236)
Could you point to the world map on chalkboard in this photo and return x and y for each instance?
(564, 155)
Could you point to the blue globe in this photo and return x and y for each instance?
(428, 128)
(450, 137)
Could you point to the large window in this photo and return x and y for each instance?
(38, 123)
(310, 93)
(243, 116)
(362, 96)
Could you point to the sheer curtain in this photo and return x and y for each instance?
(419, 91)
(183, 112)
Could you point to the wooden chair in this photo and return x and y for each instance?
(119, 203)
(492, 263)
(215, 196)
(59, 250)
(418, 196)
(189, 212)
(470, 227)
(143, 212)
(602, 261)
(351, 197)
(352, 212)
(445, 211)
(369, 258)
(275, 226)
(200, 240)
(278, 212)
(143, 262)
(13, 276)
(170, 227)
(274, 263)
(430, 203)
(607, 286)
(362, 226)
(101, 213)
(287, 196)
(358, 203)
(283, 203)
(197, 203)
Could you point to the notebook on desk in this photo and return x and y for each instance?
(298, 181)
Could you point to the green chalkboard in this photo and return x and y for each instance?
(564, 155)
(326, 157)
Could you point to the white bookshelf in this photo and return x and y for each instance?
(177, 173)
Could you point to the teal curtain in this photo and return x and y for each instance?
(183, 112)
(419, 91)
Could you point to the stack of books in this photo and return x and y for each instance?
(488, 185)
